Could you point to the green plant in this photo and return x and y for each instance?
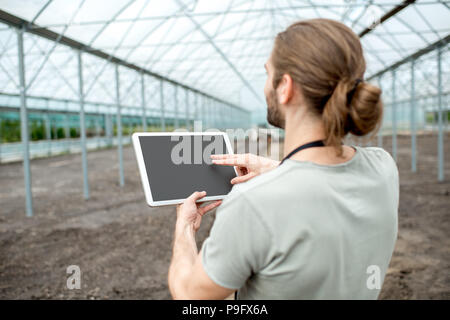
(10, 130)
(60, 134)
(74, 133)
(37, 130)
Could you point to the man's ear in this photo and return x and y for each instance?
(285, 89)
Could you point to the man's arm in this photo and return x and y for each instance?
(187, 278)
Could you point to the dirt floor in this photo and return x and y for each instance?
(123, 247)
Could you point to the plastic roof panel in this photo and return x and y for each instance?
(215, 46)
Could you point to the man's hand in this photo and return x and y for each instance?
(247, 165)
(190, 213)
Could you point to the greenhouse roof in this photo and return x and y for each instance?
(213, 46)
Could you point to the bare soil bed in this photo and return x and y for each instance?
(123, 247)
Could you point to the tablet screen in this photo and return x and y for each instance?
(177, 166)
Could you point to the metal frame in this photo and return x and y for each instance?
(17, 22)
(244, 67)
(412, 59)
(119, 128)
(83, 128)
(24, 125)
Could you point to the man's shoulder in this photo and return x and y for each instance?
(378, 152)
(381, 157)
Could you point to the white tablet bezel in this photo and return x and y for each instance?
(143, 169)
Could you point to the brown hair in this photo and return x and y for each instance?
(326, 59)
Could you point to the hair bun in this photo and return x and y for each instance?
(365, 109)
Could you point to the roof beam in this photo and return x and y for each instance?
(17, 22)
(236, 11)
(414, 56)
(220, 52)
(386, 16)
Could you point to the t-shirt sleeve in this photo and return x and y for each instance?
(238, 245)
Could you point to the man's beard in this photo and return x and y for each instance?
(274, 116)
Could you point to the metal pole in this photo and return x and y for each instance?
(48, 133)
(394, 119)
(144, 118)
(24, 126)
(161, 93)
(440, 125)
(413, 118)
(217, 114)
(97, 129)
(208, 115)
(83, 129)
(203, 112)
(210, 118)
(119, 128)
(175, 102)
(67, 124)
(109, 129)
(231, 118)
(214, 114)
(196, 115)
(227, 116)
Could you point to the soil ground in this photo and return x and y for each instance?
(123, 247)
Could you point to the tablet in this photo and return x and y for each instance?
(173, 165)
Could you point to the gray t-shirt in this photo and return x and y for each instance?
(308, 231)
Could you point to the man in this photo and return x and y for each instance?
(321, 225)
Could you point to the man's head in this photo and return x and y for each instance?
(315, 64)
(286, 93)
(274, 114)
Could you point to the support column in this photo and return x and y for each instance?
(97, 128)
(48, 132)
(163, 119)
(67, 123)
(186, 102)
(24, 126)
(205, 106)
(196, 115)
(119, 128)
(440, 124)
(413, 118)
(83, 128)
(214, 113)
(208, 113)
(144, 117)
(231, 117)
(202, 110)
(175, 102)
(394, 118)
(109, 129)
